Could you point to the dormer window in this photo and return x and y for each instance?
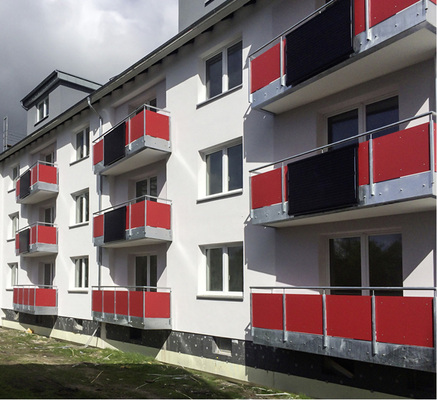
(42, 110)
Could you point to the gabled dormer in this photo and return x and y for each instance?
(54, 95)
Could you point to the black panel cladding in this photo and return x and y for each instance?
(115, 225)
(114, 145)
(323, 182)
(25, 185)
(320, 43)
(24, 241)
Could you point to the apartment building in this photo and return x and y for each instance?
(254, 198)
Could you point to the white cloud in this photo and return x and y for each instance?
(95, 39)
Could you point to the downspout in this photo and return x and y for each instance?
(99, 192)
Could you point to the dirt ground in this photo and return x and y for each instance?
(33, 366)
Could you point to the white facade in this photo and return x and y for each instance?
(206, 225)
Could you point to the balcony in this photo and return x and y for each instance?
(37, 300)
(37, 240)
(396, 171)
(389, 330)
(333, 49)
(134, 223)
(141, 139)
(37, 184)
(137, 307)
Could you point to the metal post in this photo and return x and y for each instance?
(103, 303)
(144, 307)
(145, 213)
(284, 316)
(374, 348)
(325, 327)
(115, 304)
(250, 196)
(431, 149)
(371, 169)
(251, 313)
(367, 14)
(144, 122)
(128, 306)
(281, 60)
(282, 188)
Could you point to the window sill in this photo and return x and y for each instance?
(78, 161)
(10, 240)
(9, 289)
(79, 291)
(11, 190)
(237, 296)
(79, 225)
(219, 96)
(217, 196)
(41, 120)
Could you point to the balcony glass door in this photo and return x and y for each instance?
(146, 187)
(146, 271)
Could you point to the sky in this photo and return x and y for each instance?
(93, 39)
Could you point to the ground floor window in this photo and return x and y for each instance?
(224, 269)
(146, 271)
(81, 272)
(366, 260)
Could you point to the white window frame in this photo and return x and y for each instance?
(364, 246)
(13, 274)
(225, 73)
(42, 109)
(203, 273)
(81, 207)
(15, 224)
(225, 171)
(81, 277)
(15, 175)
(82, 150)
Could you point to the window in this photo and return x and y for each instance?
(15, 174)
(14, 224)
(366, 260)
(47, 274)
(82, 144)
(146, 271)
(146, 187)
(376, 115)
(48, 157)
(82, 207)
(13, 268)
(42, 109)
(224, 70)
(224, 170)
(49, 215)
(81, 272)
(224, 269)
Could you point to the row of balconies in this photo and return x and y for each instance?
(331, 50)
(389, 330)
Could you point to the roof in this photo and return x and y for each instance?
(55, 78)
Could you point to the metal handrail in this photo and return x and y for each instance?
(132, 201)
(324, 289)
(49, 164)
(352, 138)
(131, 287)
(35, 286)
(130, 116)
(49, 224)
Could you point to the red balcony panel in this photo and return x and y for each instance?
(349, 316)
(45, 298)
(405, 320)
(359, 16)
(136, 304)
(47, 173)
(157, 305)
(265, 68)
(121, 302)
(395, 155)
(157, 125)
(158, 215)
(135, 128)
(97, 301)
(304, 313)
(108, 301)
(17, 188)
(401, 153)
(28, 298)
(137, 215)
(98, 152)
(267, 311)
(43, 234)
(381, 10)
(98, 225)
(267, 189)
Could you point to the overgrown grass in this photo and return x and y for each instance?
(32, 366)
